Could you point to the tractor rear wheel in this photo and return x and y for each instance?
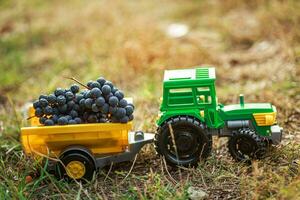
(245, 145)
(183, 141)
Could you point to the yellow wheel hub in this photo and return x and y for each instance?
(75, 169)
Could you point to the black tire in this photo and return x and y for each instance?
(191, 139)
(76, 157)
(246, 145)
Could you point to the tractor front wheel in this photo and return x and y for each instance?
(183, 141)
(245, 145)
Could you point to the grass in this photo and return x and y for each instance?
(255, 46)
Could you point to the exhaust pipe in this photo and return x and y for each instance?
(238, 124)
(242, 101)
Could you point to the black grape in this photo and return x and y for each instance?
(95, 84)
(105, 108)
(113, 101)
(39, 112)
(69, 96)
(71, 105)
(74, 88)
(78, 120)
(125, 119)
(82, 103)
(114, 90)
(72, 121)
(113, 110)
(78, 97)
(109, 83)
(119, 94)
(88, 103)
(54, 118)
(51, 98)
(73, 114)
(95, 108)
(36, 104)
(89, 84)
(49, 122)
(129, 110)
(96, 92)
(61, 100)
(121, 112)
(44, 102)
(100, 101)
(92, 118)
(48, 110)
(62, 121)
(59, 91)
(101, 80)
(63, 108)
(123, 103)
(106, 89)
(42, 120)
(131, 117)
(43, 96)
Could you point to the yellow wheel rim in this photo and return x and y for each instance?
(75, 169)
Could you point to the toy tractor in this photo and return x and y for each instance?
(190, 115)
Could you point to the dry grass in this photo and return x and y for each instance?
(255, 46)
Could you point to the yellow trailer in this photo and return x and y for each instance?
(82, 148)
(100, 138)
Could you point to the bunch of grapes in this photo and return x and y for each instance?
(102, 102)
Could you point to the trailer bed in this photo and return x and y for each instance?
(100, 138)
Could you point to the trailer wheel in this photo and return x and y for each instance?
(76, 165)
(245, 145)
(191, 141)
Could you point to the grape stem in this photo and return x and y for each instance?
(30, 117)
(77, 81)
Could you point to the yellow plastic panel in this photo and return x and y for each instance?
(265, 119)
(100, 138)
(34, 121)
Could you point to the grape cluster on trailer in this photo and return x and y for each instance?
(101, 102)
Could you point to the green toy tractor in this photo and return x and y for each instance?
(190, 115)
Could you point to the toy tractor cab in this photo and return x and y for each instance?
(190, 115)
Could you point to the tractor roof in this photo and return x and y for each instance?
(203, 74)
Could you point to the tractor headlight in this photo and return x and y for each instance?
(265, 119)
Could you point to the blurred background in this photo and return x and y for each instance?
(254, 45)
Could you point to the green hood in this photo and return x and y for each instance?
(248, 108)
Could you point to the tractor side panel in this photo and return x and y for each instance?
(261, 130)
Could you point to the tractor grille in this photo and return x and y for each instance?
(202, 73)
(265, 119)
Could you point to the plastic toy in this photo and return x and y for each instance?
(189, 116)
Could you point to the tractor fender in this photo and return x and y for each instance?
(170, 117)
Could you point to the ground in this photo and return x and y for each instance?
(254, 45)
